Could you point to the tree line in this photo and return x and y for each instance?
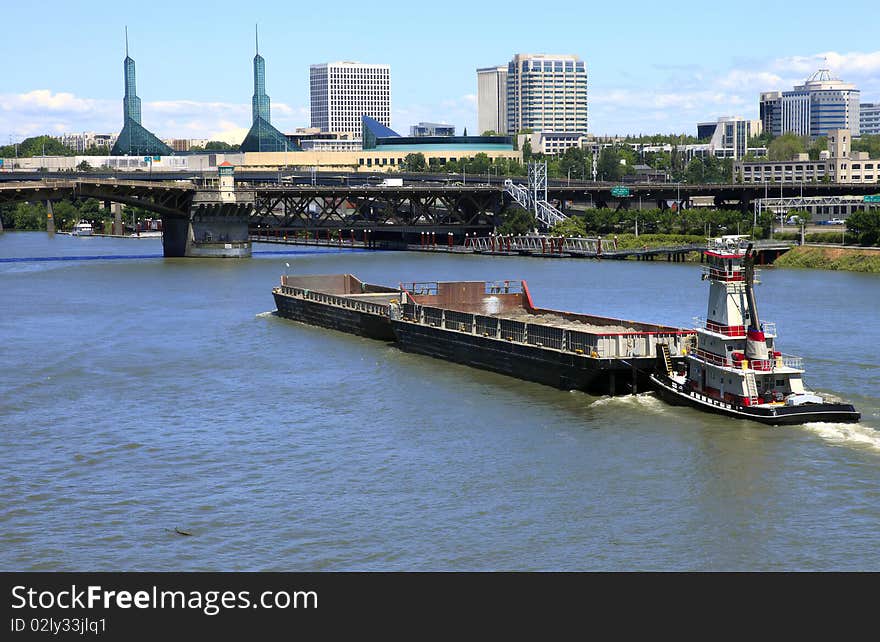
(32, 216)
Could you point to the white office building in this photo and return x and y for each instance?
(546, 93)
(492, 100)
(822, 104)
(342, 92)
(729, 135)
(869, 119)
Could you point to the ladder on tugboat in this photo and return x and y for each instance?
(664, 354)
(751, 388)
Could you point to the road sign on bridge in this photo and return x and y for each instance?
(875, 198)
(620, 190)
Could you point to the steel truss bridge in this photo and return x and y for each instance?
(391, 208)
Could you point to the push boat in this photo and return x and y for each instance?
(734, 368)
(490, 325)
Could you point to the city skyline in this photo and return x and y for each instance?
(682, 70)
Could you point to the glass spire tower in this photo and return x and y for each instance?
(263, 137)
(134, 139)
(260, 101)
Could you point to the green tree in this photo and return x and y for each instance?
(818, 145)
(84, 167)
(465, 132)
(865, 226)
(65, 214)
(414, 162)
(490, 132)
(29, 216)
(870, 144)
(786, 147)
(36, 146)
(516, 220)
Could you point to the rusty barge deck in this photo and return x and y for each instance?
(491, 326)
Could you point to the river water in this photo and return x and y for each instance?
(139, 395)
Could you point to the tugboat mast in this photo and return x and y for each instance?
(756, 342)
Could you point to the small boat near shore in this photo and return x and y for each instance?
(83, 228)
(735, 369)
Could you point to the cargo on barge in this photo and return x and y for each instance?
(488, 325)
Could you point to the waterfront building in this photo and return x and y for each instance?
(552, 143)
(80, 142)
(432, 129)
(263, 137)
(837, 165)
(869, 119)
(492, 100)
(342, 92)
(823, 103)
(729, 135)
(546, 93)
(135, 139)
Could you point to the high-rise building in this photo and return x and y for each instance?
(343, 92)
(822, 104)
(492, 100)
(869, 119)
(263, 137)
(546, 93)
(770, 111)
(134, 139)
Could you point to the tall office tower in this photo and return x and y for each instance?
(869, 119)
(770, 110)
(134, 139)
(492, 100)
(343, 92)
(546, 93)
(822, 104)
(263, 137)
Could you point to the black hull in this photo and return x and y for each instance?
(672, 393)
(564, 370)
(364, 324)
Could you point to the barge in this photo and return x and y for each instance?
(488, 325)
(734, 368)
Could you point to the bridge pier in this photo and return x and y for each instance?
(116, 210)
(218, 230)
(50, 217)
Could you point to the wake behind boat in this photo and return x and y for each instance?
(735, 369)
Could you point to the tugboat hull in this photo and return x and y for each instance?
(675, 394)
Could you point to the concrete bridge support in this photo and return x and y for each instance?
(218, 230)
(118, 227)
(50, 217)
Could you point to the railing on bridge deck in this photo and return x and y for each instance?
(540, 244)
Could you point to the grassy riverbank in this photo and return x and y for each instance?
(831, 258)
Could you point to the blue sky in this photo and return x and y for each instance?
(653, 66)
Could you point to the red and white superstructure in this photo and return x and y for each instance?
(735, 368)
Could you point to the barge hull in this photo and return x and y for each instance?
(363, 324)
(564, 370)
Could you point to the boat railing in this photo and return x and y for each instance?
(760, 365)
(340, 301)
(420, 287)
(726, 330)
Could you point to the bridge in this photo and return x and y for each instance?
(200, 220)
